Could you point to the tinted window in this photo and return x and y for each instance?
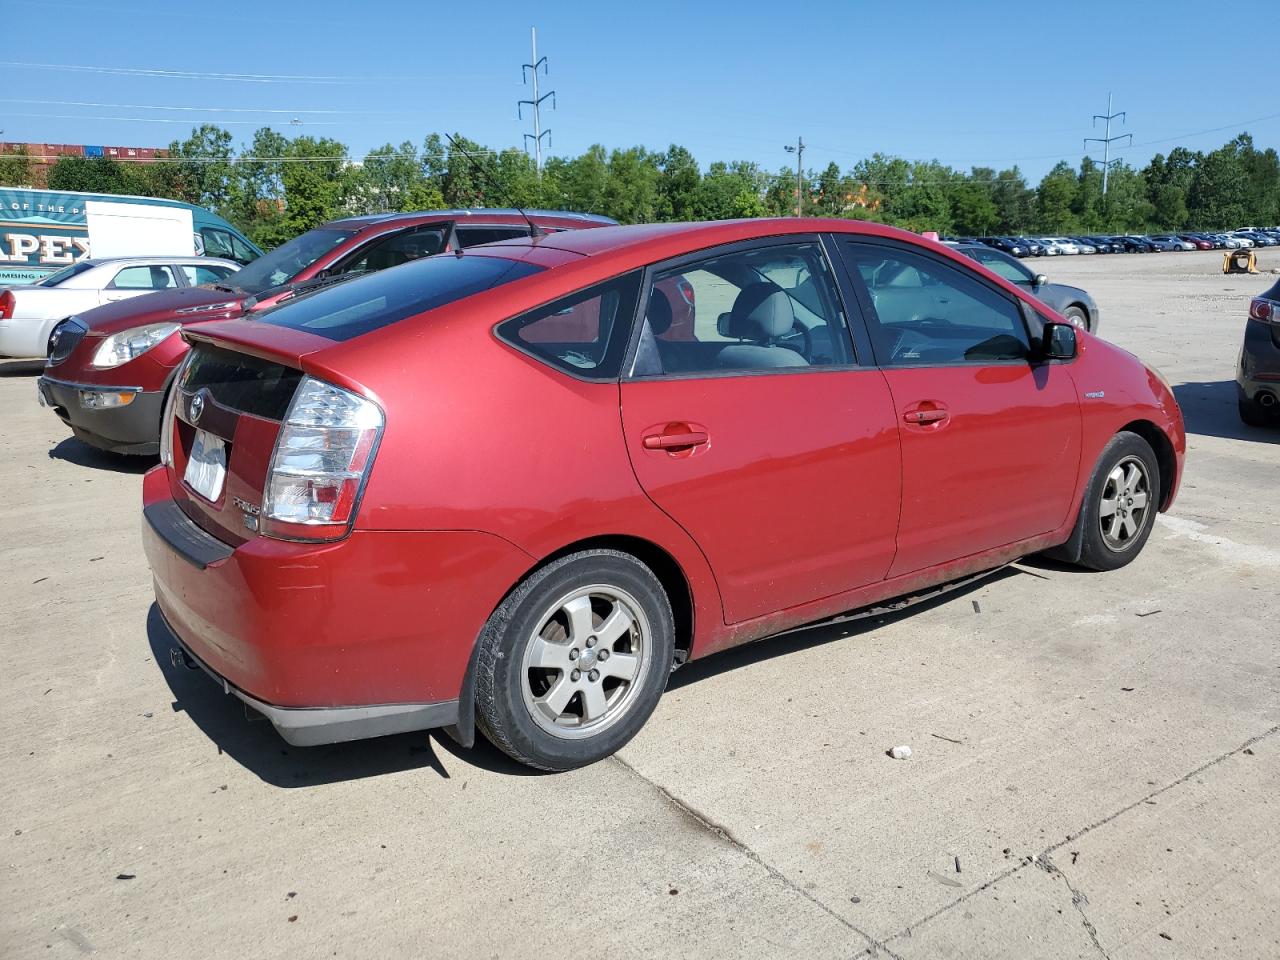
(288, 260)
(66, 273)
(584, 334)
(473, 236)
(929, 313)
(144, 278)
(395, 249)
(197, 275)
(241, 382)
(763, 308)
(374, 301)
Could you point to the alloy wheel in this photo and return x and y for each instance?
(1126, 497)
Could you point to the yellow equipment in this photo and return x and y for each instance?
(1239, 261)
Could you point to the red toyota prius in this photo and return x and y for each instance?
(516, 486)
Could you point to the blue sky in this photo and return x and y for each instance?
(966, 83)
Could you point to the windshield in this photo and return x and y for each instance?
(288, 260)
(387, 296)
(66, 273)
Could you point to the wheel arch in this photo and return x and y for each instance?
(664, 566)
(1165, 459)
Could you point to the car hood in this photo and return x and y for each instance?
(185, 305)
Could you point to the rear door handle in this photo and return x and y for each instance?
(675, 441)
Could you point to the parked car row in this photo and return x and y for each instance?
(1129, 243)
(410, 479)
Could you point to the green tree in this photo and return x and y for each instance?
(204, 167)
(1218, 196)
(973, 207)
(1015, 202)
(1055, 197)
(677, 184)
(16, 169)
(88, 174)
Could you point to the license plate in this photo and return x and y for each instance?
(207, 466)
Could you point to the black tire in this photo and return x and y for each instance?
(1098, 551)
(503, 711)
(1078, 316)
(1251, 412)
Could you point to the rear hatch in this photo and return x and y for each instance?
(234, 402)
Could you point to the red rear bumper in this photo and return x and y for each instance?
(379, 618)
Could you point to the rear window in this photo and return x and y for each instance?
(66, 273)
(241, 382)
(380, 299)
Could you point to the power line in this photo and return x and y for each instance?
(535, 103)
(1107, 140)
(199, 75)
(152, 106)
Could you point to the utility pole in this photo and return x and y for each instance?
(535, 103)
(1107, 140)
(798, 150)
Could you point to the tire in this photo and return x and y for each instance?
(1129, 522)
(544, 621)
(1077, 316)
(1251, 413)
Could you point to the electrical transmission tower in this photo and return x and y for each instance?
(798, 150)
(1107, 140)
(536, 103)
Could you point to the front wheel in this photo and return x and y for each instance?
(574, 660)
(1077, 317)
(1120, 504)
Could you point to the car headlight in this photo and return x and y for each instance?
(129, 344)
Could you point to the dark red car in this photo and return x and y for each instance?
(506, 489)
(110, 368)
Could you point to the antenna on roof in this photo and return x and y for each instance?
(535, 231)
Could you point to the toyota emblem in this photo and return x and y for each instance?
(195, 409)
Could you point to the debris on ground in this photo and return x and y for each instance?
(855, 899)
(1127, 689)
(1165, 936)
(126, 876)
(900, 753)
(976, 608)
(948, 739)
(957, 865)
(1248, 751)
(945, 880)
(1147, 613)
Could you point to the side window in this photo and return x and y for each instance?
(764, 308)
(144, 278)
(398, 248)
(241, 252)
(217, 243)
(948, 317)
(1011, 270)
(474, 236)
(584, 334)
(197, 275)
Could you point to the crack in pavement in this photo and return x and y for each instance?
(1044, 855)
(1078, 900)
(724, 834)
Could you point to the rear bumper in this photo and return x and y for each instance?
(133, 428)
(362, 637)
(1259, 369)
(311, 727)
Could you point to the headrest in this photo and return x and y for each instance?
(762, 311)
(660, 314)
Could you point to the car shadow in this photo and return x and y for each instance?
(72, 450)
(249, 739)
(1209, 409)
(20, 368)
(805, 638)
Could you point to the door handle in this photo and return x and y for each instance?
(926, 413)
(675, 441)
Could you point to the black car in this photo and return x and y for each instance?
(1072, 302)
(1133, 244)
(1009, 245)
(1258, 373)
(1034, 247)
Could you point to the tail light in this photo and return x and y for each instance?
(686, 290)
(6, 305)
(1264, 310)
(321, 461)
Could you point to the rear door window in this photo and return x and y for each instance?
(395, 249)
(473, 236)
(144, 278)
(197, 275)
(371, 302)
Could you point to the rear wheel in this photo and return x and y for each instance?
(1251, 412)
(573, 662)
(1120, 503)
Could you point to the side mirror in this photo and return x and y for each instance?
(1058, 342)
(1040, 280)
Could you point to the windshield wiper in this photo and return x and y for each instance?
(223, 288)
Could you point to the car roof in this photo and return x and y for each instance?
(158, 260)
(491, 215)
(672, 239)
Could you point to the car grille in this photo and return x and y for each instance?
(66, 336)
